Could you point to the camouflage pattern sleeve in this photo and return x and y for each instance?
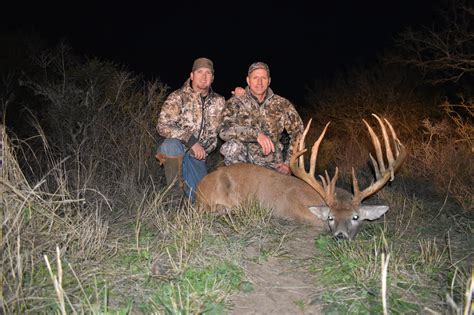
(238, 122)
(169, 121)
(213, 123)
(294, 127)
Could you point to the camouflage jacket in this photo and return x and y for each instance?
(186, 117)
(244, 118)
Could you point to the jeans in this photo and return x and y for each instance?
(193, 170)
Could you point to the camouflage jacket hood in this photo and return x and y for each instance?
(245, 118)
(185, 116)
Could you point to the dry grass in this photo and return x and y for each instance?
(36, 222)
(354, 96)
(83, 207)
(422, 215)
(438, 134)
(427, 270)
(439, 158)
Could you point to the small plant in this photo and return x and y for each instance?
(198, 290)
(300, 304)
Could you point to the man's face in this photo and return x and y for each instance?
(258, 81)
(201, 79)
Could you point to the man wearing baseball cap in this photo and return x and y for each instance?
(253, 124)
(189, 120)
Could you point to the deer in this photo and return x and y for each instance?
(303, 197)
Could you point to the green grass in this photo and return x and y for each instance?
(186, 262)
(198, 259)
(421, 271)
(200, 290)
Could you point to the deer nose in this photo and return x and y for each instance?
(340, 236)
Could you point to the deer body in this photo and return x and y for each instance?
(304, 198)
(288, 197)
(232, 185)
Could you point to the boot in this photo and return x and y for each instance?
(173, 173)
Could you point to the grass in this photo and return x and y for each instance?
(200, 290)
(86, 226)
(181, 261)
(422, 274)
(191, 264)
(69, 247)
(62, 255)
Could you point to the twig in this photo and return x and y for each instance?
(384, 281)
(445, 200)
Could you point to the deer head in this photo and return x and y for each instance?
(343, 210)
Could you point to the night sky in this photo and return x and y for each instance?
(300, 41)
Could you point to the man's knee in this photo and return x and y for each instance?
(232, 147)
(233, 152)
(171, 147)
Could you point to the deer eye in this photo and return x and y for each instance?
(355, 218)
(330, 218)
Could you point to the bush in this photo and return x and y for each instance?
(100, 119)
(438, 137)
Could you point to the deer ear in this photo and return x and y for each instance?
(321, 212)
(372, 212)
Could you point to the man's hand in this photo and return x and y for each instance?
(266, 143)
(283, 168)
(238, 91)
(198, 151)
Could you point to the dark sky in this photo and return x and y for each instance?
(299, 40)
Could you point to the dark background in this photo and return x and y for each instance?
(301, 41)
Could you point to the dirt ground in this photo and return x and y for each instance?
(282, 284)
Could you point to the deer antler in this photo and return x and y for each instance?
(297, 166)
(382, 174)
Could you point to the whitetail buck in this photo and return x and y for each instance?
(304, 197)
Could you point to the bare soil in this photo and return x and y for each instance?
(282, 284)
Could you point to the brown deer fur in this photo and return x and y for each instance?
(304, 198)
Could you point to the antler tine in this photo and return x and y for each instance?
(315, 149)
(297, 163)
(400, 151)
(386, 141)
(355, 185)
(394, 136)
(331, 187)
(382, 174)
(301, 145)
(380, 165)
